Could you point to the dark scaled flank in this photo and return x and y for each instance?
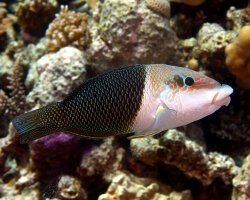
(107, 103)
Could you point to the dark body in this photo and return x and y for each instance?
(104, 105)
(107, 103)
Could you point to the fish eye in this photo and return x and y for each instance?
(189, 81)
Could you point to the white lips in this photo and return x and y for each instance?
(222, 95)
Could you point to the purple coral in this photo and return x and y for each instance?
(54, 154)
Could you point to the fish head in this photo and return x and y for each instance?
(193, 95)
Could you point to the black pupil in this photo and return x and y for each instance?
(189, 81)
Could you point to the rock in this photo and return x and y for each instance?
(126, 32)
(70, 188)
(238, 17)
(212, 40)
(128, 186)
(103, 160)
(241, 182)
(60, 73)
(174, 148)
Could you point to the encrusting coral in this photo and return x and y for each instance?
(68, 28)
(237, 57)
(35, 15)
(7, 22)
(159, 6)
(15, 104)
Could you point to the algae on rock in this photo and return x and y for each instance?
(126, 32)
(128, 186)
(174, 148)
(60, 73)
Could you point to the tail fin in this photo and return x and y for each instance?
(30, 126)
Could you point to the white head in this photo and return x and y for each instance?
(193, 95)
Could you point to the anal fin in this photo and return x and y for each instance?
(142, 134)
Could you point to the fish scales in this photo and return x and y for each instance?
(108, 103)
(102, 106)
(144, 99)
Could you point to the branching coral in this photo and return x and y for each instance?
(15, 104)
(238, 57)
(6, 25)
(69, 28)
(29, 11)
(159, 6)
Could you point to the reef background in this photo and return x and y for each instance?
(49, 47)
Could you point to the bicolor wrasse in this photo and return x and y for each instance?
(139, 99)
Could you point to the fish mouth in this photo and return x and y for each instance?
(221, 97)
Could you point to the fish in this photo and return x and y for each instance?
(140, 99)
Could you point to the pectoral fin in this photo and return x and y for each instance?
(164, 118)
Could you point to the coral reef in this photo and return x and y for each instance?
(29, 11)
(127, 186)
(173, 148)
(211, 42)
(238, 17)
(10, 145)
(27, 56)
(18, 178)
(7, 22)
(70, 188)
(68, 28)
(60, 73)
(103, 160)
(208, 159)
(5, 71)
(15, 104)
(159, 6)
(125, 32)
(237, 57)
(59, 149)
(241, 182)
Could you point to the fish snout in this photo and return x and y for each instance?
(222, 96)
